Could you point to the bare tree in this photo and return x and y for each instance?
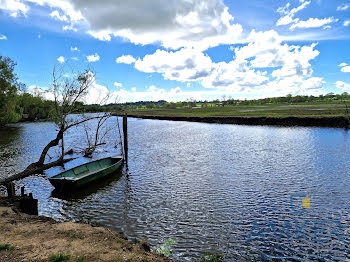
(97, 137)
(67, 93)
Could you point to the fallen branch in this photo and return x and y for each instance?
(34, 168)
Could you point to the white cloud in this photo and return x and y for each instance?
(288, 17)
(98, 94)
(187, 64)
(285, 20)
(345, 69)
(64, 6)
(346, 23)
(56, 15)
(313, 83)
(313, 23)
(14, 7)
(290, 66)
(3, 37)
(117, 84)
(74, 49)
(103, 35)
(75, 58)
(93, 58)
(343, 7)
(125, 59)
(42, 92)
(173, 24)
(69, 28)
(154, 93)
(61, 59)
(342, 85)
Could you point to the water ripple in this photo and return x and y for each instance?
(228, 188)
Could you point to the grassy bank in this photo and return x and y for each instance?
(300, 110)
(33, 238)
(325, 115)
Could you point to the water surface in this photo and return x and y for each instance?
(210, 187)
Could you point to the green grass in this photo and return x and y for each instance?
(59, 257)
(284, 110)
(121, 241)
(6, 247)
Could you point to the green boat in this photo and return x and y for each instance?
(84, 174)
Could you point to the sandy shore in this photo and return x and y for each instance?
(34, 238)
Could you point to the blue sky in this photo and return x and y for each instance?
(183, 49)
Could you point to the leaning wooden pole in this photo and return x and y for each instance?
(125, 133)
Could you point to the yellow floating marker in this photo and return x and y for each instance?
(306, 202)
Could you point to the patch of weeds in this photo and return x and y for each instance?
(213, 257)
(6, 247)
(165, 248)
(59, 257)
(121, 241)
(74, 235)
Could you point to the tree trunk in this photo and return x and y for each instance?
(34, 168)
(46, 149)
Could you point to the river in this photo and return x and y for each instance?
(270, 192)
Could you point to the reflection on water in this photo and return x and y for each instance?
(210, 187)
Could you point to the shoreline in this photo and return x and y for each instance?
(39, 238)
(336, 122)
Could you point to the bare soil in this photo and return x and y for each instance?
(35, 238)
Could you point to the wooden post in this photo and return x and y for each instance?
(125, 133)
(29, 205)
(10, 190)
(22, 191)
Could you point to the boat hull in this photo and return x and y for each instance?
(63, 184)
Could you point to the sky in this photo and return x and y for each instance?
(178, 50)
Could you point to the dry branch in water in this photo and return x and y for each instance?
(99, 136)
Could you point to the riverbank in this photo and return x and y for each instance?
(35, 238)
(340, 122)
(322, 115)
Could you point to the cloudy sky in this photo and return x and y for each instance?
(181, 49)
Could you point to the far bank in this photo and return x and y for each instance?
(338, 122)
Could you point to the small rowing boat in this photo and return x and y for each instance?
(84, 174)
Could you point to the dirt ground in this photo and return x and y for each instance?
(33, 238)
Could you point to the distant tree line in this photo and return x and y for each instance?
(16, 104)
(228, 101)
(289, 99)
